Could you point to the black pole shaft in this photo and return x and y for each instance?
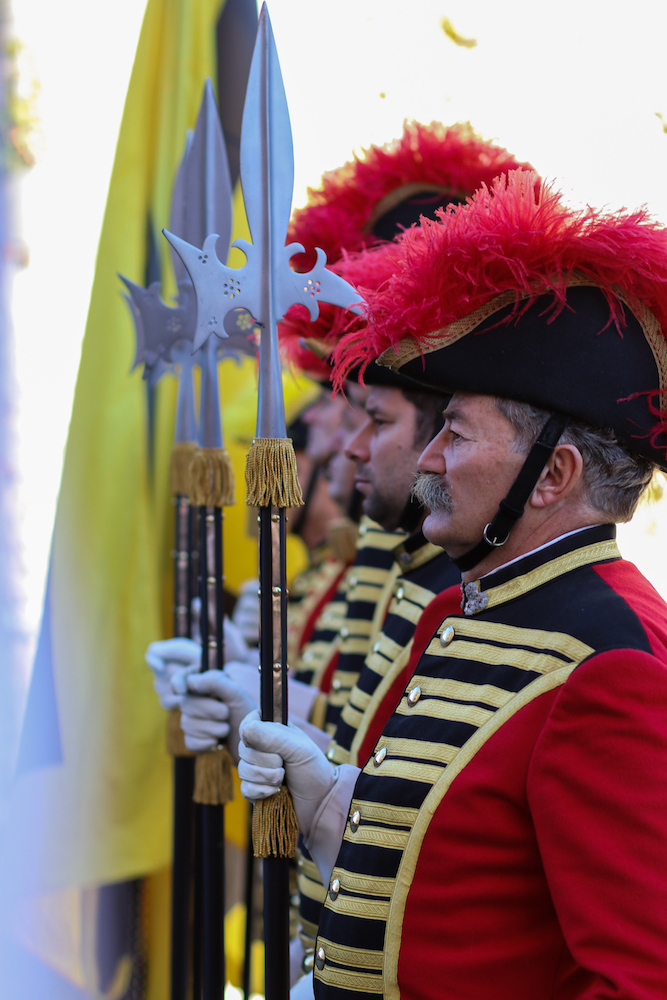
(212, 817)
(249, 887)
(273, 647)
(183, 776)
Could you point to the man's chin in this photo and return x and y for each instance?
(437, 528)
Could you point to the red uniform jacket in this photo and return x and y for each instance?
(508, 836)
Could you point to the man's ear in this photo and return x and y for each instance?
(559, 477)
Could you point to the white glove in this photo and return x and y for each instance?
(166, 658)
(212, 709)
(268, 751)
(236, 648)
(246, 612)
(303, 989)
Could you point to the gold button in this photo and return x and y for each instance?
(380, 756)
(399, 594)
(334, 888)
(320, 956)
(447, 636)
(355, 820)
(336, 683)
(414, 695)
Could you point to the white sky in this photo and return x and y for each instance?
(573, 87)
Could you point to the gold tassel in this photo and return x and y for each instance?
(270, 474)
(179, 468)
(176, 737)
(211, 478)
(343, 534)
(213, 778)
(274, 826)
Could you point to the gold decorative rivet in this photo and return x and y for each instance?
(353, 581)
(276, 591)
(447, 636)
(355, 820)
(336, 683)
(399, 593)
(277, 667)
(380, 756)
(414, 695)
(320, 956)
(334, 888)
(344, 633)
(275, 517)
(210, 579)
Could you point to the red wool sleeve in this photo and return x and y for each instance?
(597, 792)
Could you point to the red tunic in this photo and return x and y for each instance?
(521, 853)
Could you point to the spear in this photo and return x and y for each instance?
(161, 334)
(203, 199)
(266, 286)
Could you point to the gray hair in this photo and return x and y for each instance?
(613, 479)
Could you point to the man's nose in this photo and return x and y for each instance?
(357, 447)
(432, 459)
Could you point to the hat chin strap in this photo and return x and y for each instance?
(511, 508)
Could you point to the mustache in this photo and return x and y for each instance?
(429, 489)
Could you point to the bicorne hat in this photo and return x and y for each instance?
(516, 295)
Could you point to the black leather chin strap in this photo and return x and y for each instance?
(511, 508)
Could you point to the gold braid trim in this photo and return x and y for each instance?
(175, 736)
(179, 468)
(274, 826)
(211, 478)
(270, 474)
(213, 778)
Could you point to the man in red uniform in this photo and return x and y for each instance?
(506, 836)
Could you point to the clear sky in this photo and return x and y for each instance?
(572, 87)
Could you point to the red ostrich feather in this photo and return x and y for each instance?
(515, 234)
(451, 157)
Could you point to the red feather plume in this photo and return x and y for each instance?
(516, 235)
(336, 217)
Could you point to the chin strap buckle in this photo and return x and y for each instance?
(495, 542)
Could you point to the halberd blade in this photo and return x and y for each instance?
(207, 185)
(267, 158)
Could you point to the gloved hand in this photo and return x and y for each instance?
(166, 658)
(303, 989)
(269, 751)
(236, 648)
(212, 708)
(246, 612)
